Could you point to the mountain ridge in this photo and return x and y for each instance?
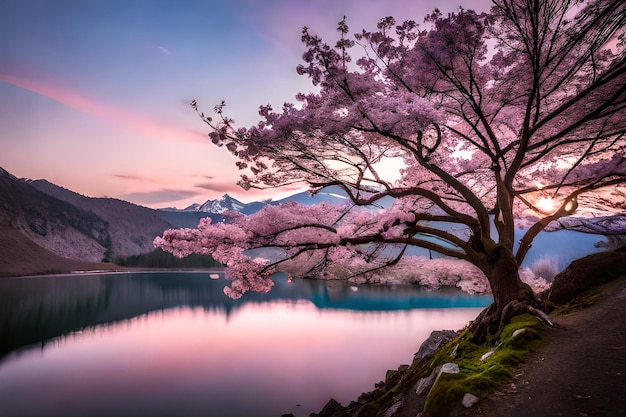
(41, 221)
(46, 228)
(132, 227)
(332, 195)
(40, 233)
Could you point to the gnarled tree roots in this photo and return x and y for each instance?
(493, 319)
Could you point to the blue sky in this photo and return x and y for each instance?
(94, 93)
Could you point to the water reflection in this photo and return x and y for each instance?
(170, 344)
(34, 310)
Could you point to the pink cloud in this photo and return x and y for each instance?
(220, 187)
(141, 124)
(133, 177)
(223, 187)
(158, 197)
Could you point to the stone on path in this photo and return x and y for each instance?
(469, 400)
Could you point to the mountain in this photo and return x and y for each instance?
(36, 227)
(186, 219)
(20, 255)
(5, 173)
(219, 206)
(331, 195)
(132, 228)
(43, 226)
(48, 228)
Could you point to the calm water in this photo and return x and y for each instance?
(172, 344)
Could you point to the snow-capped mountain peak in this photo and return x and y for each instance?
(193, 207)
(218, 206)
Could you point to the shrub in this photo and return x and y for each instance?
(546, 268)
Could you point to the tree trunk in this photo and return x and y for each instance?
(511, 296)
(505, 282)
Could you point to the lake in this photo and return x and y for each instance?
(172, 344)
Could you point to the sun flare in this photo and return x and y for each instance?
(545, 204)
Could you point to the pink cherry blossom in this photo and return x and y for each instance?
(493, 115)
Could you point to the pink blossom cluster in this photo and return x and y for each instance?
(499, 118)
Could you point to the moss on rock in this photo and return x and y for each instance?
(480, 376)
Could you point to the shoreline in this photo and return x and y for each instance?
(122, 270)
(578, 365)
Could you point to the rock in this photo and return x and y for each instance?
(587, 273)
(435, 341)
(455, 352)
(424, 384)
(331, 409)
(518, 334)
(449, 368)
(391, 376)
(486, 355)
(521, 336)
(469, 400)
(393, 409)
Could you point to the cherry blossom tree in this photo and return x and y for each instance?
(497, 119)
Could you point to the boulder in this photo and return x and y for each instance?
(587, 273)
(435, 341)
(447, 368)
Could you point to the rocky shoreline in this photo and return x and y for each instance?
(405, 392)
(361, 407)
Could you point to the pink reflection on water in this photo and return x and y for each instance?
(263, 359)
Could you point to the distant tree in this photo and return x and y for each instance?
(499, 118)
(160, 259)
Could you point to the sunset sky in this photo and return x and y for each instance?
(94, 94)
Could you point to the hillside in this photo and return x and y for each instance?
(45, 228)
(132, 228)
(54, 225)
(579, 371)
(21, 256)
(186, 219)
(575, 368)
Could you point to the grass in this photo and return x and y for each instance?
(584, 300)
(476, 376)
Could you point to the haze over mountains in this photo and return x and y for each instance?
(332, 195)
(42, 225)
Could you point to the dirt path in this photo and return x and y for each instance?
(580, 371)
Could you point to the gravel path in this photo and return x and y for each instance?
(579, 372)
